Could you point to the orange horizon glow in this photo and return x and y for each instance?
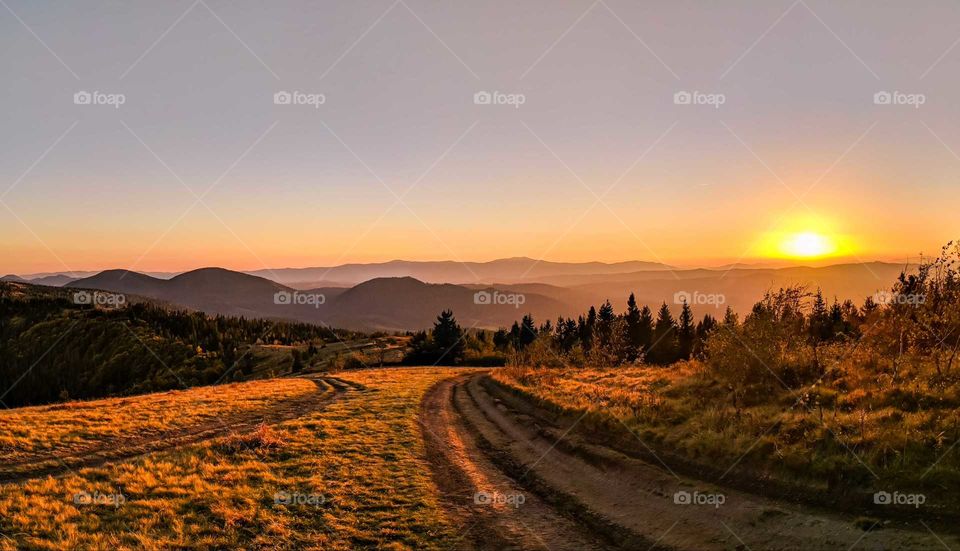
(248, 240)
(777, 249)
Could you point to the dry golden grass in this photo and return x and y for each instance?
(31, 432)
(820, 435)
(358, 467)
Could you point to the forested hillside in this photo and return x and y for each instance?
(53, 349)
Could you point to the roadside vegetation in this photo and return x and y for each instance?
(833, 395)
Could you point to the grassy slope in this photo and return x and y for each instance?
(26, 432)
(363, 454)
(789, 435)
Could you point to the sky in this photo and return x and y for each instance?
(588, 150)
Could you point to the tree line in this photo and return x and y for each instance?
(603, 337)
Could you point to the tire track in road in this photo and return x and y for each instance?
(478, 435)
(494, 512)
(113, 450)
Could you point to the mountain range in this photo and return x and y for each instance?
(506, 270)
(387, 303)
(392, 302)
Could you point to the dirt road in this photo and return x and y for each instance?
(494, 511)
(583, 496)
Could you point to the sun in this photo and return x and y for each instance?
(807, 244)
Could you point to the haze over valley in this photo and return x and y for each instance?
(405, 296)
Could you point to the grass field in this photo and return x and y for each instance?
(353, 475)
(821, 436)
(61, 428)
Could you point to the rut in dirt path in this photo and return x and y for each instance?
(116, 449)
(634, 502)
(491, 509)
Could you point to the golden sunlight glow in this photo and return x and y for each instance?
(810, 237)
(807, 245)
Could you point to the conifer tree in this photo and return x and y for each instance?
(663, 351)
(819, 321)
(448, 337)
(605, 324)
(685, 332)
(646, 329)
(528, 331)
(632, 326)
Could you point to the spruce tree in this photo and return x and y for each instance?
(528, 331)
(605, 324)
(632, 326)
(818, 325)
(663, 351)
(587, 329)
(685, 332)
(646, 329)
(448, 338)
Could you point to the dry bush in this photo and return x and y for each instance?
(264, 438)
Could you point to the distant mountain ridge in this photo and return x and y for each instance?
(513, 270)
(392, 304)
(507, 270)
(407, 303)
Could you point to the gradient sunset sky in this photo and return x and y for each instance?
(200, 167)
